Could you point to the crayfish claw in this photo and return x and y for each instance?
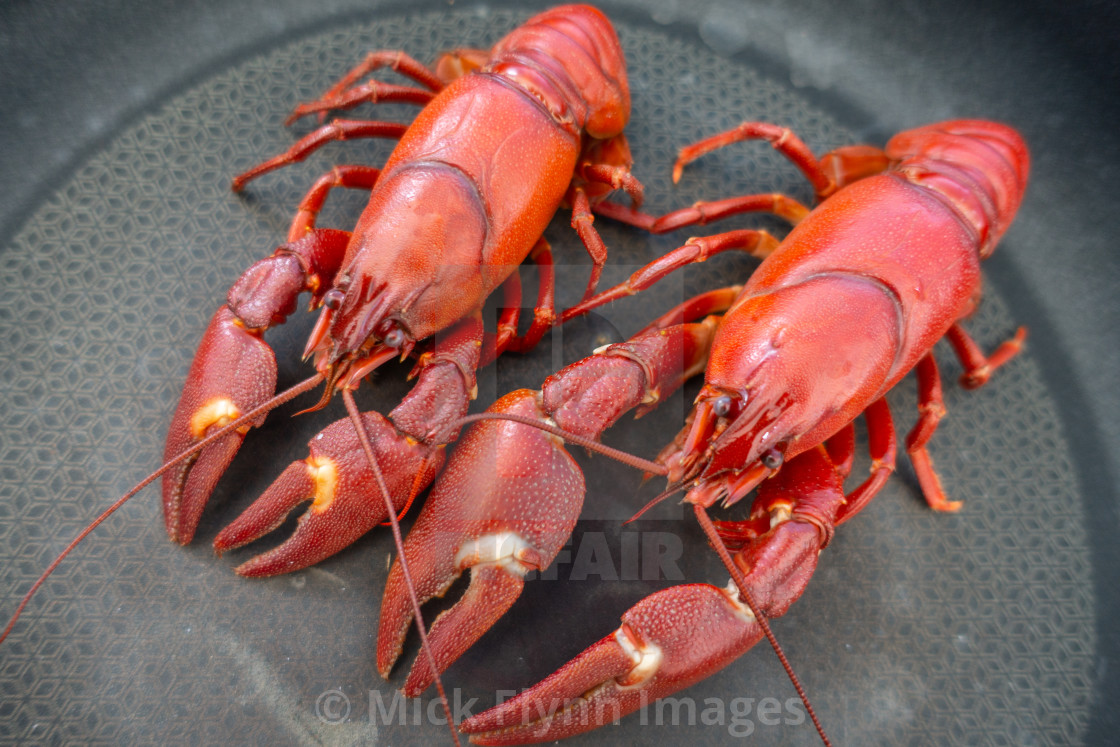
(233, 372)
(666, 642)
(492, 514)
(491, 593)
(345, 503)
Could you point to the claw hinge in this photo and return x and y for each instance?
(506, 550)
(646, 656)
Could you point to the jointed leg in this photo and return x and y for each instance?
(757, 243)
(494, 344)
(351, 177)
(978, 367)
(705, 304)
(394, 59)
(583, 222)
(544, 313)
(883, 448)
(616, 176)
(339, 129)
(604, 167)
(931, 405)
(782, 138)
(702, 213)
(345, 94)
(371, 92)
(837, 168)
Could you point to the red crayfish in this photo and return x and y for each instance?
(504, 137)
(462, 201)
(852, 300)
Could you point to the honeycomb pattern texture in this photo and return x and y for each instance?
(917, 629)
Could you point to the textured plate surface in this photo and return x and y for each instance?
(979, 627)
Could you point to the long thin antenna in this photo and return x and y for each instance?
(661, 496)
(609, 451)
(271, 404)
(363, 437)
(741, 582)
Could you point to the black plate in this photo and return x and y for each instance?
(122, 126)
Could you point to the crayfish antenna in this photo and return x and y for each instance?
(662, 496)
(398, 539)
(608, 451)
(745, 595)
(225, 430)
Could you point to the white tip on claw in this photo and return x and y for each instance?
(647, 657)
(505, 549)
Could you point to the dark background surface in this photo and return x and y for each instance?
(74, 77)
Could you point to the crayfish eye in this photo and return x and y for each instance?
(333, 299)
(391, 334)
(721, 406)
(395, 338)
(773, 458)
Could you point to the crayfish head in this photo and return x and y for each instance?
(345, 357)
(733, 441)
(412, 269)
(788, 369)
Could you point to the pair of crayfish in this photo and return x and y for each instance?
(855, 297)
